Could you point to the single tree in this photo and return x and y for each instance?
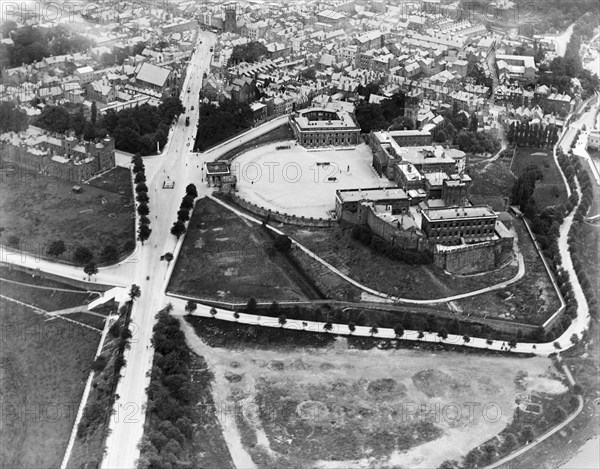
(183, 215)
(94, 112)
(236, 315)
(351, 327)
(144, 232)
(191, 190)
(82, 255)
(443, 334)
(142, 197)
(13, 242)
(466, 339)
(56, 248)
(187, 203)
(251, 306)
(141, 187)
(190, 307)
(109, 254)
(398, 330)
(143, 209)
(90, 269)
(168, 257)
(139, 177)
(274, 309)
(421, 335)
(373, 330)
(178, 229)
(134, 292)
(489, 341)
(328, 327)
(512, 344)
(557, 345)
(574, 339)
(213, 312)
(282, 320)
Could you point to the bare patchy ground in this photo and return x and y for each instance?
(339, 407)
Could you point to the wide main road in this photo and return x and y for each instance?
(127, 424)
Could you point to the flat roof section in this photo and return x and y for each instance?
(371, 194)
(480, 211)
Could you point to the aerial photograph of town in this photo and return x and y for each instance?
(299, 234)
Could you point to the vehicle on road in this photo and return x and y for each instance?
(187, 121)
(168, 184)
(189, 89)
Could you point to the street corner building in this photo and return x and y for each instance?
(319, 127)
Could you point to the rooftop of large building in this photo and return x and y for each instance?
(453, 213)
(324, 118)
(371, 194)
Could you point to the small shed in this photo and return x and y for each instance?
(77, 189)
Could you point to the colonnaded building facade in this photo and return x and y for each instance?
(320, 127)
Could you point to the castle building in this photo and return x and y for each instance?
(59, 156)
(459, 225)
(320, 127)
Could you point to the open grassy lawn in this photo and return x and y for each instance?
(531, 300)
(336, 406)
(226, 258)
(42, 293)
(39, 210)
(43, 368)
(377, 271)
(551, 189)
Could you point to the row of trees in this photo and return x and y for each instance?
(536, 136)
(142, 198)
(379, 319)
(109, 367)
(576, 233)
(183, 214)
(172, 399)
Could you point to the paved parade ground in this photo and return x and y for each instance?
(293, 180)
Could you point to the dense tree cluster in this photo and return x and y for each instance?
(141, 190)
(535, 136)
(32, 44)
(12, 119)
(218, 123)
(171, 399)
(378, 116)
(476, 142)
(250, 52)
(135, 130)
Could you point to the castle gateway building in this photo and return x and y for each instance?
(319, 127)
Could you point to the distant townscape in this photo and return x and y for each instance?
(299, 234)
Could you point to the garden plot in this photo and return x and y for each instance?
(302, 182)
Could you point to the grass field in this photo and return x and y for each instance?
(42, 293)
(39, 210)
(226, 258)
(339, 407)
(43, 368)
(551, 189)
